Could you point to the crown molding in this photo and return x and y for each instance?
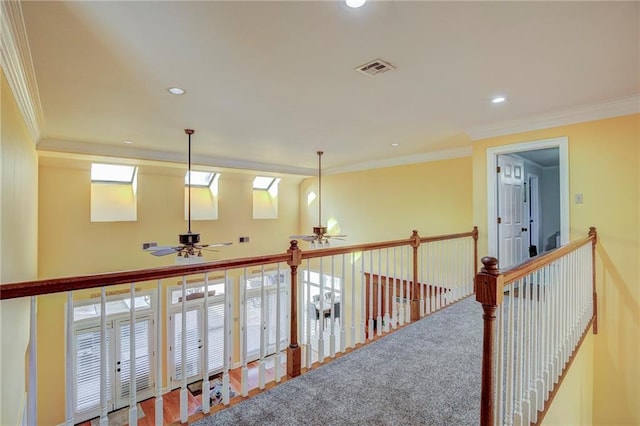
(445, 154)
(16, 62)
(98, 152)
(614, 108)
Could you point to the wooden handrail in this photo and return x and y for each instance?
(56, 285)
(537, 262)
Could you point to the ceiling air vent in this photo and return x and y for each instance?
(375, 67)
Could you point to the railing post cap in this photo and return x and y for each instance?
(490, 265)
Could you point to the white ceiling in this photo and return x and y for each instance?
(270, 83)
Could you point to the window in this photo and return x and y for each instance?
(265, 197)
(113, 193)
(204, 195)
(199, 179)
(112, 173)
(264, 183)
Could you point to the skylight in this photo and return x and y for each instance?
(262, 182)
(112, 173)
(202, 179)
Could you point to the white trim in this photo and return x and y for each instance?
(102, 150)
(613, 108)
(562, 143)
(445, 154)
(18, 67)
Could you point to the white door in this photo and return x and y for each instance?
(143, 360)
(512, 230)
(194, 344)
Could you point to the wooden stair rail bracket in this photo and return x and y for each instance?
(415, 301)
(489, 289)
(294, 352)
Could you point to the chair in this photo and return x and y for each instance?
(327, 295)
(336, 313)
(316, 297)
(313, 313)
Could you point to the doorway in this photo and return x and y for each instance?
(502, 242)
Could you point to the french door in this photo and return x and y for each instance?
(87, 365)
(194, 365)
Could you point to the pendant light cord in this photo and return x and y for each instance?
(320, 188)
(189, 132)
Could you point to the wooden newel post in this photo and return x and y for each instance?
(594, 235)
(415, 298)
(294, 352)
(488, 286)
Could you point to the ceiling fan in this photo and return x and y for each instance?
(319, 236)
(190, 246)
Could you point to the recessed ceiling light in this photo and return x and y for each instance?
(395, 144)
(176, 91)
(498, 99)
(355, 3)
(128, 142)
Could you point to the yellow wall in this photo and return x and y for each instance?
(572, 405)
(604, 160)
(18, 253)
(70, 244)
(387, 204)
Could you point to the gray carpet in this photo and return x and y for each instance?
(427, 373)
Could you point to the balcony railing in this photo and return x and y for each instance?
(535, 318)
(133, 335)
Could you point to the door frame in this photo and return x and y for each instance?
(533, 207)
(562, 143)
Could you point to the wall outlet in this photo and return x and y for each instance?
(243, 239)
(149, 245)
(578, 198)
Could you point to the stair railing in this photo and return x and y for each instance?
(371, 289)
(535, 318)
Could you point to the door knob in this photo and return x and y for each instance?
(524, 229)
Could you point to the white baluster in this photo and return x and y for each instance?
(103, 357)
(263, 332)
(32, 396)
(388, 303)
(133, 402)
(206, 385)
(69, 371)
(226, 362)
(158, 358)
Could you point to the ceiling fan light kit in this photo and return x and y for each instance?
(190, 246)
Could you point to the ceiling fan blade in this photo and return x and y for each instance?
(301, 237)
(209, 249)
(212, 245)
(156, 248)
(335, 236)
(164, 251)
